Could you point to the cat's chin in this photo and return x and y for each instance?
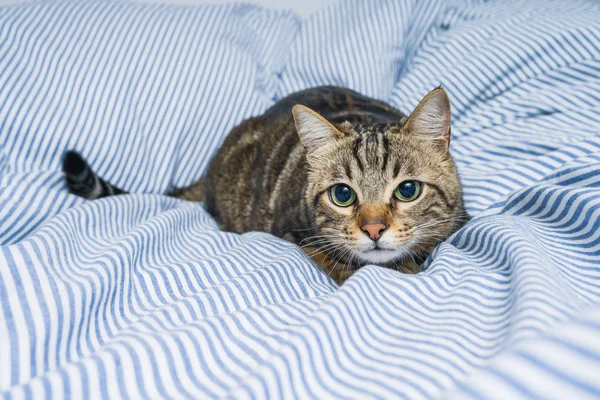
(380, 256)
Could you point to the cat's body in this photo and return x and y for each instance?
(263, 161)
(276, 172)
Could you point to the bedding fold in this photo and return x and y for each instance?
(142, 296)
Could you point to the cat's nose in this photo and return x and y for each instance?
(374, 230)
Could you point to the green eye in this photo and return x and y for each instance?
(342, 195)
(408, 190)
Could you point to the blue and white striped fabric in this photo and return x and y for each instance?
(141, 296)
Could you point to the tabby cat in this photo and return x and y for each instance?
(349, 178)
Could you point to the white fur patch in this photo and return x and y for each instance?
(382, 257)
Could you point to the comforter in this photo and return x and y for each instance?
(142, 296)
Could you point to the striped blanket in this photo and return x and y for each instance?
(141, 296)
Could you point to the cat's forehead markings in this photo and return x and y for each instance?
(372, 138)
(371, 128)
(348, 171)
(397, 168)
(355, 150)
(386, 151)
(381, 128)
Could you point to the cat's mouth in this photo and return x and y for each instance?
(378, 247)
(379, 255)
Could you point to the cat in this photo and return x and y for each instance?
(350, 178)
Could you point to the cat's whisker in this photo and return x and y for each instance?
(438, 237)
(425, 250)
(453, 217)
(330, 238)
(400, 267)
(435, 222)
(326, 240)
(439, 221)
(341, 257)
(316, 243)
(322, 241)
(423, 235)
(331, 269)
(318, 251)
(348, 265)
(327, 248)
(312, 237)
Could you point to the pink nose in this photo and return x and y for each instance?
(374, 230)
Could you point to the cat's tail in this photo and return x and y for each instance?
(194, 192)
(82, 181)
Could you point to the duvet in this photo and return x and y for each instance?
(142, 296)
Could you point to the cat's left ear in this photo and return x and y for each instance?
(315, 131)
(431, 118)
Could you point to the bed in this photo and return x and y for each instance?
(142, 296)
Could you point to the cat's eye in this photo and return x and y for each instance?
(408, 190)
(342, 195)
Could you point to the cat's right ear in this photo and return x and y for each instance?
(315, 131)
(431, 118)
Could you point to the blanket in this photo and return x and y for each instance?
(142, 296)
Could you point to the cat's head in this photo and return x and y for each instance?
(382, 193)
